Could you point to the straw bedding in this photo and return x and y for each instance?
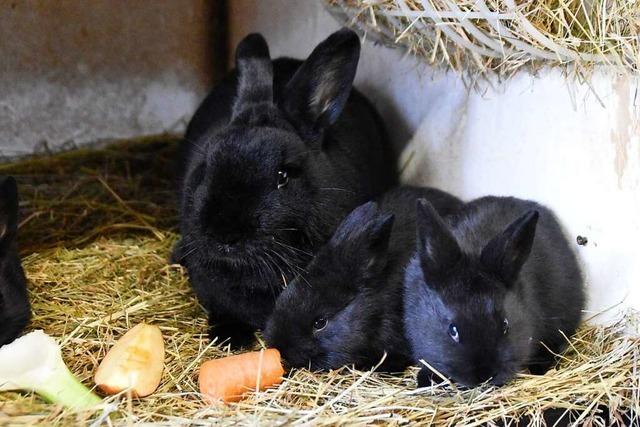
(96, 233)
(504, 35)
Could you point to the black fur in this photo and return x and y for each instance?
(15, 311)
(355, 284)
(243, 237)
(495, 259)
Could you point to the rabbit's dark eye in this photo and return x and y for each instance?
(453, 333)
(320, 323)
(283, 179)
(505, 326)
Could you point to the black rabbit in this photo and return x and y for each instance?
(346, 308)
(488, 288)
(15, 311)
(273, 159)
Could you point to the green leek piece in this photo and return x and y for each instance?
(34, 363)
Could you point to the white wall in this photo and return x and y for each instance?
(573, 148)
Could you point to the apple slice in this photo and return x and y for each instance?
(134, 363)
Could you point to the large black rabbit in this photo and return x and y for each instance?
(488, 292)
(15, 311)
(273, 160)
(346, 308)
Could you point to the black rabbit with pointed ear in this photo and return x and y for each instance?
(489, 290)
(275, 157)
(15, 311)
(346, 308)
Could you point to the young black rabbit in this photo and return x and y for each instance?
(273, 159)
(488, 288)
(15, 311)
(346, 308)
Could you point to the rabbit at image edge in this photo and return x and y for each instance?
(489, 289)
(274, 158)
(15, 311)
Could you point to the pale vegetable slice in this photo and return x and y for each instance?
(135, 363)
(34, 363)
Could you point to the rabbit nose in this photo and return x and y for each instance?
(229, 222)
(233, 229)
(228, 230)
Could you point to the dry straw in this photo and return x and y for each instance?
(97, 232)
(504, 35)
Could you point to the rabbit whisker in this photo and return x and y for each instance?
(292, 248)
(292, 267)
(296, 271)
(192, 250)
(273, 263)
(336, 189)
(289, 266)
(199, 149)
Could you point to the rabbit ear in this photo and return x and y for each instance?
(437, 247)
(318, 91)
(255, 73)
(363, 239)
(8, 209)
(506, 253)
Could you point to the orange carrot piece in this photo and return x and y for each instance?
(228, 378)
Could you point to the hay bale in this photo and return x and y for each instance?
(504, 35)
(89, 287)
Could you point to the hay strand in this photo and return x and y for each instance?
(504, 35)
